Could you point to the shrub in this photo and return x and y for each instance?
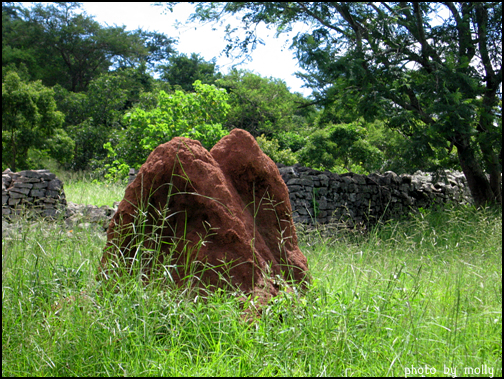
(198, 115)
(272, 149)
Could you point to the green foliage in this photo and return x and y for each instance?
(272, 149)
(403, 154)
(317, 152)
(262, 105)
(61, 46)
(434, 112)
(437, 83)
(381, 148)
(291, 140)
(159, 49)
(106, 98)
(94, 115)
(116, 171)
(60, 146)
(29, 118)
(183, 71)
(340, 148)
(198, 115)
(72, 104)
(65, 48)
(89, 139)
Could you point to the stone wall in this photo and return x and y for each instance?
(38, 190)
(352, 199)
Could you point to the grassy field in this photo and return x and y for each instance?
(80, 189)
(419, 297)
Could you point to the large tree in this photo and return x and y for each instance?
(432, 70)
(93, 116)
(181, 70)
(262, 105)
(59, 45)
(29, 120)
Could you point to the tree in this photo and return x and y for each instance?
(159, 48)
(399, 152)
(92, 116)
(198, 115)
(341, 147)
(60, 46)
(261, 105)
(29, 117)
(273, 150)
(407, 154)
(184, 71)
(435, 80)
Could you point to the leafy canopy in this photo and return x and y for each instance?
(183, 71)
(59, 45)
(30, 120)
(94, 115)
(272, 149)
(341, 148)
(197, 115)
(262, 105)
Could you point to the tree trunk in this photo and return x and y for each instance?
(496, 185)
(476, 179)
(493, 167)
(490, 157)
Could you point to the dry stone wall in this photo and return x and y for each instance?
(42, 192)
(38, 190)
(351, 199)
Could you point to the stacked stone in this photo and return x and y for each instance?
(38, 190)
(132, 174)
(351, 199)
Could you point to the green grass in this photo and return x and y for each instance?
(422, 294)
(83, 188)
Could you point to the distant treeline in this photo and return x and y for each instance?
(85, 96)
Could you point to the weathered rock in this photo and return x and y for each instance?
(85, 216)
(222, 215)
(37, 191)
(351, 199)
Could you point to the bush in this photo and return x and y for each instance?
(198, 115)
(339, 148)
(272, 149)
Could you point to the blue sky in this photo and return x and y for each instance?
(274, 59)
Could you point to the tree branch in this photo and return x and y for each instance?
(326, 24)
(427, 50)
(453, 10)
(481, 19)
